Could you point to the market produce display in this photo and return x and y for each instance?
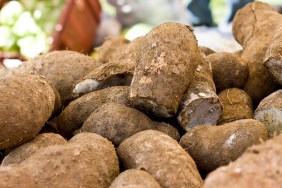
(25, 27)
(158, 111)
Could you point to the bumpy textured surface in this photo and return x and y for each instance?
(21, 153)
(135, 178)
(116, 122)
(162, 157)
(200, 104)
(214, 146)
(106, 75)
(166, 62)
(111, 49)
(251, 28)
(269, 112)
(26, 103)
(80, 109)
(260, 166)
(273, 56)
(237, 104)
(228, 70)
(62, 68)
(88, 160)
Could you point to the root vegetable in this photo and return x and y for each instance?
(88, 160)
(117, 72)
(214, 146)
(269, 112)
(62, 68)
(111, 49)
(166, 62)
(116, 122)
(252, 30)
(26, 103)
(200, 104)
(237, 104)
(162, 157)
(21, 153)
(260, 166)
(80, 109)
(228, 70)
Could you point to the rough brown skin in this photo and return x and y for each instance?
(237, 104)
(62, 68)
(134, 178)
(21, 153)
(214, 146)
(117, 72)
(166, 62)
(200, 104)
(111, 49)
(205, 50)
(162, 157)
(228, 70)
(251, 30)
(80, 109)
(88, 160)
(260, 166)
(273, 56)
(106, 75)
(116, 122)
(269, 112)
(26, 103)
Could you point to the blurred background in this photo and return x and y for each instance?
(31, 27)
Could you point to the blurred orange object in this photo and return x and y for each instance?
(76, 28)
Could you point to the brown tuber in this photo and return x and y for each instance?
(162, 157)
(80, 109)
(166, 61)
(26, 103)
(116, 122)
(260, 166)
(214, 146)
(253, 27)
(87, 160)
(21, 153)
(228, 70)
(237, 104)
(269, 112)
(200, 104)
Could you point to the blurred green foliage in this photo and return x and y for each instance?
(27, 25)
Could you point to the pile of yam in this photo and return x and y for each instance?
(158, 111)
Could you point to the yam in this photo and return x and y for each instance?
(117, 72)
(116, 122)
(166, 62)
(269, 112)
(228, 70)
(80, 109)
(62, 68)
(200, 104)
(106, 75)
(21, 153)
(88, 160)
(162, 157)
(252, 30)
(26, 103)
(237, 104)
(111, 48)
(214, 146)
(134, 178)
(260, 166)
(273, 56)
